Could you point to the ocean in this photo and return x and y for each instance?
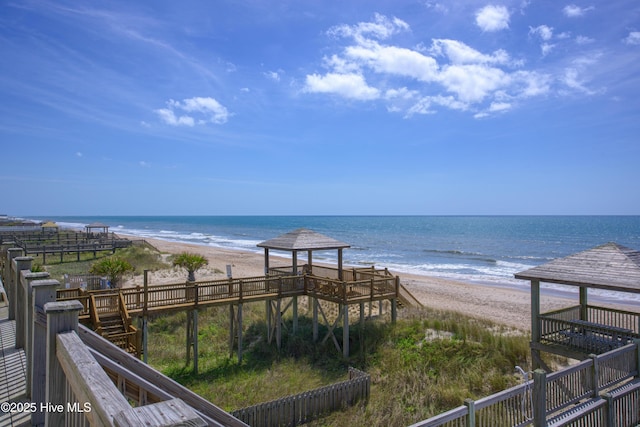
(475, 249)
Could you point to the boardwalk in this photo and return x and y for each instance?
(12, 372)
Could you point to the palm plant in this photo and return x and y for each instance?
(190, 262)
(113, 267)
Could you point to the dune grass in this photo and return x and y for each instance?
(415, 372)
(428, 362)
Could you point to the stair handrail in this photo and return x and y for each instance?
(93, 314)
(134, 337)
(124, 313)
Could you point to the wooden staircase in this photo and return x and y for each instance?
(113, 322)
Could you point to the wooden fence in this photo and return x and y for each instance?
(304, 407)
(581, 395)
(66, 384)
(63, 243)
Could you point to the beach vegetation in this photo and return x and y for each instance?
(113, 267)
(428, 362)
(190, 262)
(140, 257)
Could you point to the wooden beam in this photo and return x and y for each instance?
(345, 331)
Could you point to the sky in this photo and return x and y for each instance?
(312, 107)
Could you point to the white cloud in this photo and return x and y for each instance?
(394, 60)
(492, 18)
(348, 85)
(144, 164)
(207, 110)
(460, 53)
(543, 31)
(473, 83)
(576, 77)
(273, 75)
(573, 11)
(499, 107)
(169, 117)
(402, 93)
(382, 28)
(78, 154)
(584, 40)
(546, 48)
(448, 74)
(633, 38)
(438, 7)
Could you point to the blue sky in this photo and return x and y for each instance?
(320, 107)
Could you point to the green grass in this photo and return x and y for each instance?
(140, 257)
(412, 377)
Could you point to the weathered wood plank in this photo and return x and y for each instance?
(146, 372)
(88, 380)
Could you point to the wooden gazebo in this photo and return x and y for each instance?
(585, 329)
(303, 240)
(331, 285)
(50, 227)
(97, 229)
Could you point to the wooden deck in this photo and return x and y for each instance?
(12, 372)
(184, 296)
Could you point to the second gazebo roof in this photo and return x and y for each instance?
(303, 239)
(609, 266)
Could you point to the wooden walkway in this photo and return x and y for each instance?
(12, 372)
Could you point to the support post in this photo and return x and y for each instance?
(535, 324)
(44, 291)
(145, 318)
(278, 323)
(315, 319)
(471, 417)
(11, 276)
(637, 343)
(583, 302)
(23, 266)
(345, 330)
(539, 398)
(240, 333)
(267, 307)
(28, 280)
(295, 314)
(195, 340)
(610, 415)
(61, 317)
(595, 374)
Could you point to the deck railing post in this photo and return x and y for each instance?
(471, 416)
(595, 375)
(11, 277)
(29, 278)
(61, 317)
(539, 398)
(610, 414)
(637, 343)
(23, 263)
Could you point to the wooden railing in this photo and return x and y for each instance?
(596, 331)
(141, 384)
(181, 296)
(547, 397)
(310, 405)
(78, 390)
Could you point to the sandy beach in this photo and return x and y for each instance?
(503, 305)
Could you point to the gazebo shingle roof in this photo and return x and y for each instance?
(610, 266)
(303, 239)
